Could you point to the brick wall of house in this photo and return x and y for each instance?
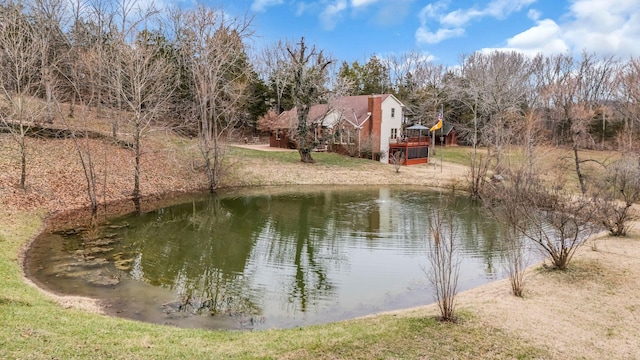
(375, 122)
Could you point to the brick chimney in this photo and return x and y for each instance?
(375, 122)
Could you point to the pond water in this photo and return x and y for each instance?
(269, 258)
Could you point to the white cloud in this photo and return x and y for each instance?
(534, 14)
(497, 8)
(460, 17)
(359, 3)
(332, 13)
(503, 8)
(262, 5)
(604, 26)
(424, 36)
(302, 8)
(433, 10)
(607, 27)
(453, 23)
(543, 38)
(545, 35)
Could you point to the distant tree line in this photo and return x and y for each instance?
(72, 49)
(191, 70)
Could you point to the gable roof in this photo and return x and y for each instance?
(354, 109)
(446, 128)
(289, 119)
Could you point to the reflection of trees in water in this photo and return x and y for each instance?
(303, 239)
(313, 273)
(211, 294)
(200, 250)
(479, 234)
(203, 250)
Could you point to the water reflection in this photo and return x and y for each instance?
(274, 258)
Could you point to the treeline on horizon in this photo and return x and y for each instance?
(180, 66)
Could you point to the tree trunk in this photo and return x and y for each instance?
(211, 174)
(305, 156)
(583, 186)
(136, 176)
(23, 167)
(304, 148)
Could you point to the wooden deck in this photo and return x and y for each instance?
(417, 148)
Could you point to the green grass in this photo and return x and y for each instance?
(455, 154)
(35, 327)
(324, 158)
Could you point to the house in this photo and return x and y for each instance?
(446, 135)
(362, 125)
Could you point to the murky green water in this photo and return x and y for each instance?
(269, 258)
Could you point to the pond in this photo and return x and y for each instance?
(267, 258)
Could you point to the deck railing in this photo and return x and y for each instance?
(411, 141)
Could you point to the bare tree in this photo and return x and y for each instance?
(49, 17)
(443, 259)
(420, 83)
(397, 159)
(503, 95)
(628, 96)
(273, 64)
(477, 173)
(309, 69)
(466, 89)
(82, 145)
(516, 260)
(219, 75)
(506, 199)
(557, 221)
(575, 89)
(617, 191)
(21, 47)
(84, 67)
(147, 87)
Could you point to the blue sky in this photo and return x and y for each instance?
(443, 30)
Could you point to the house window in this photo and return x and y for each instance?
(394, 133)
(277, 134)
(344, 136)
(393, 112)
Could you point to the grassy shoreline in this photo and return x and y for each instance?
(37, 326)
